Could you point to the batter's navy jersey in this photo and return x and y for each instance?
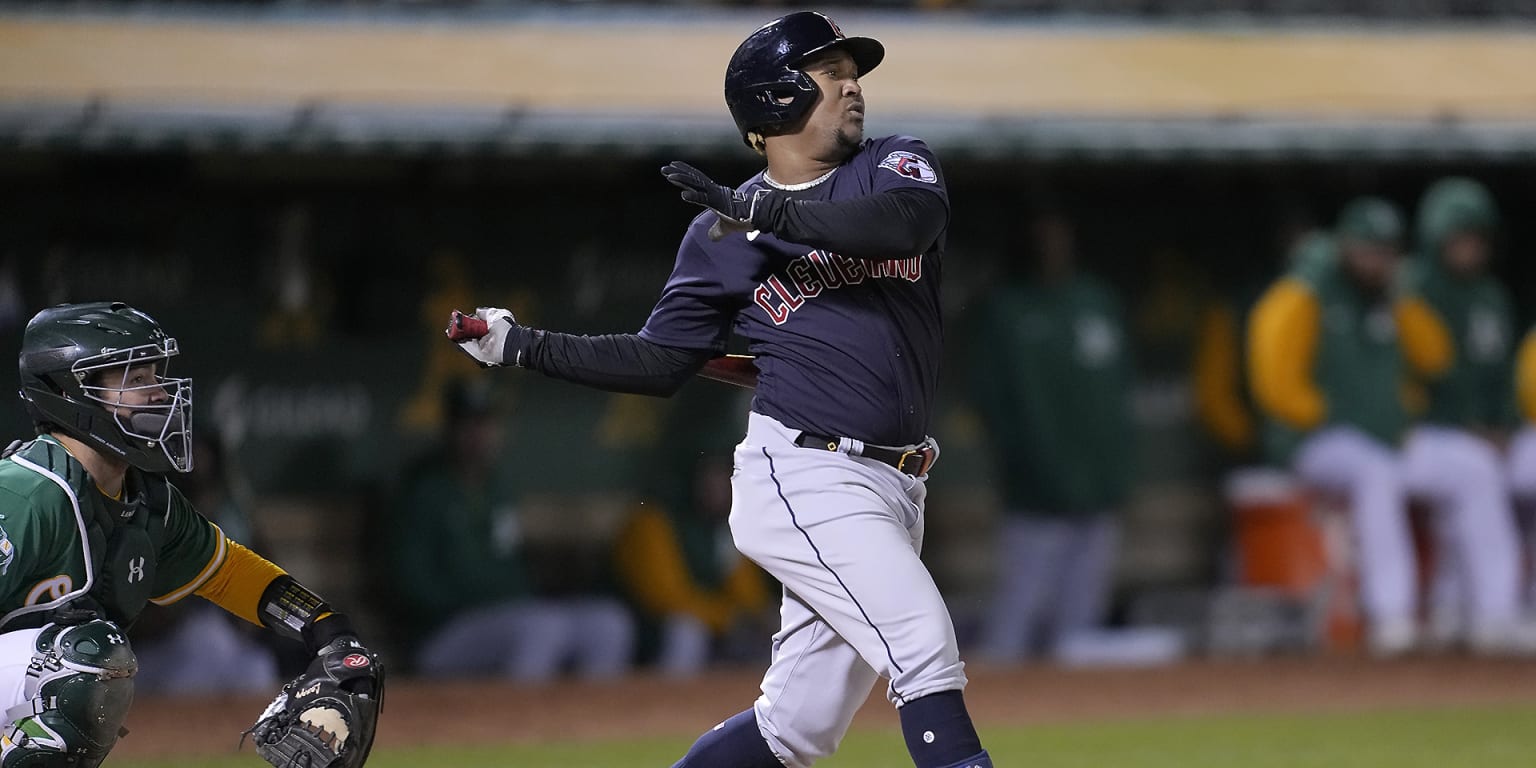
(845, 346)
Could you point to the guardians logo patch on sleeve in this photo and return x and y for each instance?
(910, 165)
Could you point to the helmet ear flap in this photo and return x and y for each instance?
(795, 93)
(778, 105)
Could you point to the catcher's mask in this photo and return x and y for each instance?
(98, 372)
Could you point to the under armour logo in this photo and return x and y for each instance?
(115, 639)
(135, 570)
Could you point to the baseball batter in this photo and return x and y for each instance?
(828, 263)
(91, 531)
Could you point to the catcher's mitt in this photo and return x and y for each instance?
(324, 718)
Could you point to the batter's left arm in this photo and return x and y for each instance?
(901, 221)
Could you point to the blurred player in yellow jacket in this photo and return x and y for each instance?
(1325, 369)
(1459, 342)
(677, 566)
(1224, 403)
(674, 558)
(1522, 450)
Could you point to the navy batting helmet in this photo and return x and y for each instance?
(764, 87)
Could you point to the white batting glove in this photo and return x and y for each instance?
(489, 349)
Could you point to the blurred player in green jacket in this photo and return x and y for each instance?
(1452, 455)
(459, 563)
(1051, 382)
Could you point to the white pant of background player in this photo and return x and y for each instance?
(1461, 479)
(1522, 464)
(1522, 479)
(1055, 576)
(533, 641)
(842, 534)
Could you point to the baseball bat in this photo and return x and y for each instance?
(736, 370)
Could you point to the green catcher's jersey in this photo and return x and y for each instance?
(62, 539)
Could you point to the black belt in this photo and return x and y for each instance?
(912, 461)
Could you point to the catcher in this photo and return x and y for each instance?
(91, 530)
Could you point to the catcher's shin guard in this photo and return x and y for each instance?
(78, 690)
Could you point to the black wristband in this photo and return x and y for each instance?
(517, 350)
(323, 632)
(767, 209)
(291, 610)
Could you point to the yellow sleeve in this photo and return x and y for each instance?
(651, 566)
(1218, 381)
(1282, 345)
(744, 588)
(238, 584)
(1525, 376)
(1426, 342)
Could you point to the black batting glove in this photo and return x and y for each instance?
(734, 209)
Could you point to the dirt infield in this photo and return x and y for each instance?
(419, 713)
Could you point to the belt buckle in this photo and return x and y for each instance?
(921, 452)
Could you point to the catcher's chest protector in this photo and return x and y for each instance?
(125, 573)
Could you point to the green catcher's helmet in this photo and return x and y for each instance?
(75, 363)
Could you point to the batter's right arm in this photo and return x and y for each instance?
(612, 362)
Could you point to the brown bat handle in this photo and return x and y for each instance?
(462, 327)
(737, 370)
